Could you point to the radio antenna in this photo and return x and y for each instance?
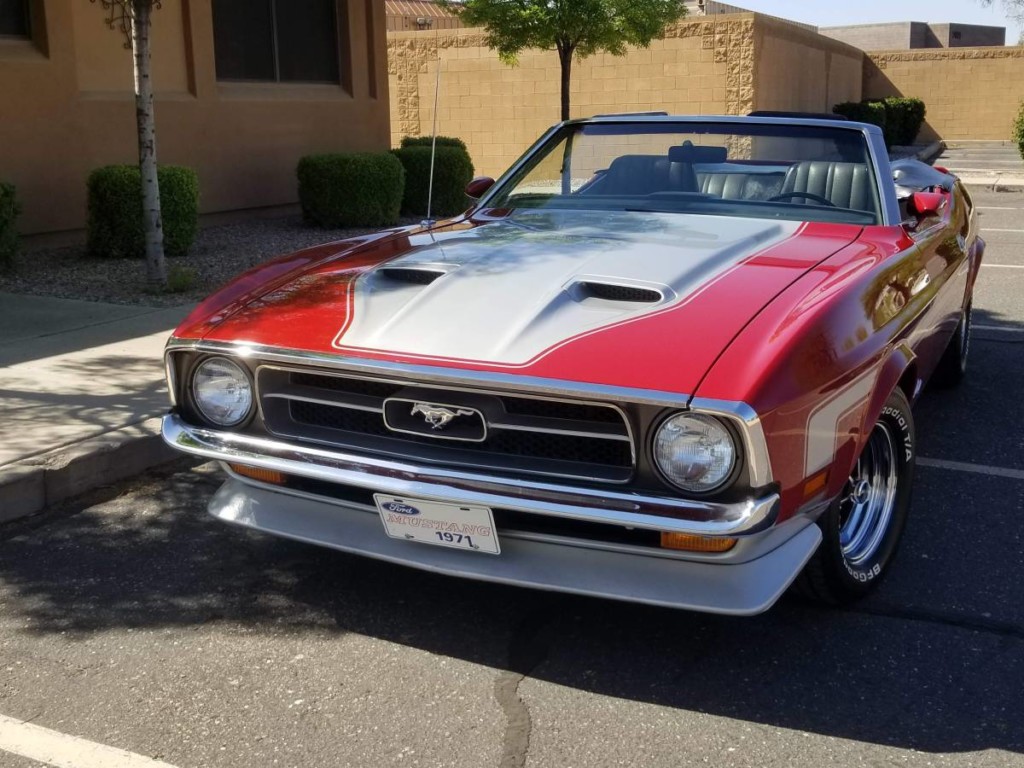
(429, 222)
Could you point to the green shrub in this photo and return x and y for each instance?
(453, 170)
(1018, 129)
(115, 224)
(904, 118)
(872, 112)
(351, 190)
(442, 141)
(9, 210)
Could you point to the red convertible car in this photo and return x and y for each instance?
(668, 360)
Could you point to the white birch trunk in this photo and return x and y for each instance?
(156, 268)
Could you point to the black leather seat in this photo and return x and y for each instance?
(847, 185)
(637, 175)
(741, 186)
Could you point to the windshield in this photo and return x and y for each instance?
(795, 172)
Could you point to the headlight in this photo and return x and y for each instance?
(695, 452)
(222, 391)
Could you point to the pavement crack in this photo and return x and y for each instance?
(527, 649)
(959, 621)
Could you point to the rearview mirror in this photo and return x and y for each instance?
(476, 188)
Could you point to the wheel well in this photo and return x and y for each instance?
(908, 382)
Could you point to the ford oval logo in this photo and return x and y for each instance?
(400, 508)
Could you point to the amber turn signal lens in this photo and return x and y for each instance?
(690, 543)
(815, 484)
(263, 475)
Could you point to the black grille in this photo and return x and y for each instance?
(525, 444)
(621, 293)
(523, 434)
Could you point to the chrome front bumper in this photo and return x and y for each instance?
(742, 588)
(596, 505)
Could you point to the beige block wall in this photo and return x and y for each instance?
(970, 93)
(800, 70)
(723, 64)
(702, 66)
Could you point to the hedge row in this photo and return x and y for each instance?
(370, 189)
(115, 226)
(9, 209)
(900, 119)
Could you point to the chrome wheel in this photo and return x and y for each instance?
(868, 501)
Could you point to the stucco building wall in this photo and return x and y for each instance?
(706, 65)
(68, 107)
(970, 93)
(800, 70)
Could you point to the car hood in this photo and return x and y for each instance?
(625, 299)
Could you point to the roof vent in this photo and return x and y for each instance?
(410, 275)
(610, 292)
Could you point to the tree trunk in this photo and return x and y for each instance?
(565, 59)
(156, 268)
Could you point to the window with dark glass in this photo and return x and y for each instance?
(14, 18)
(292, 41)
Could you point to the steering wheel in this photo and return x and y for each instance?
(807, 195)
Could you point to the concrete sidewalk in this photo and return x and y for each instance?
(81, 390)
(992, 164)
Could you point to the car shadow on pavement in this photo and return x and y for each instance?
(933, 662)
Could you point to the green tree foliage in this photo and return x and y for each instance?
(574, 28)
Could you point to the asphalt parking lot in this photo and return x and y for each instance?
(129, 619)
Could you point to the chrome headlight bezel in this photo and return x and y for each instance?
(244, 377)
(727, 430)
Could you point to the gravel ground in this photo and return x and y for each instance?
(219, 253)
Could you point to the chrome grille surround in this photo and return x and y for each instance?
(570, 439)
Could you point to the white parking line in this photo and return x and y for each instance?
(1003, 328)
(989, 229)
(1003, 266)
(977, 469)
(997, 208)
(62, 751)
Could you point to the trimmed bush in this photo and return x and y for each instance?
(872, 112)
(9, 210)
(351, 190)
(115, 225)
(442, 141)
(1018, 129)
(904, 118)
(453, 170)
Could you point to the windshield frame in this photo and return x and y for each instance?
(877, 153)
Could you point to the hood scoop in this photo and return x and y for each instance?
(412, 275)
(630, 294)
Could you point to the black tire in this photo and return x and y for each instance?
(952, 367)
(854, 556)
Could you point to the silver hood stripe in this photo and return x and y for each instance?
(507, 294)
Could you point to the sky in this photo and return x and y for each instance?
(829, 13)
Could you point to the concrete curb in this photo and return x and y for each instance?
(30, 486)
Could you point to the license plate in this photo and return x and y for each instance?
(444, 525)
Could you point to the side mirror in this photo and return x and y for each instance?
(926, 204)
(476, 188)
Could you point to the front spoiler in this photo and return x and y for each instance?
(736, 589)
(422, 481)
